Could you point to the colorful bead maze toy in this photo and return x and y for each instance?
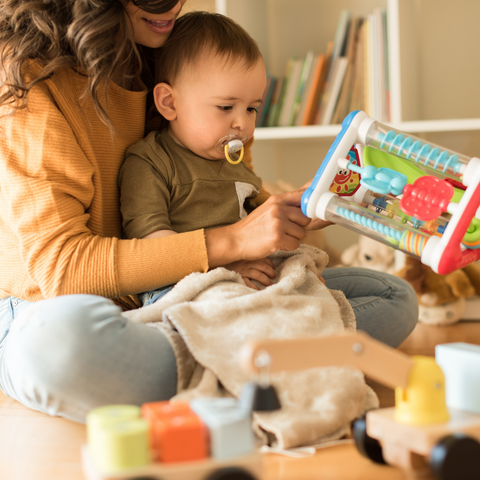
(416, 197)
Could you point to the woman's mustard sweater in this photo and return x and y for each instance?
(60, 223)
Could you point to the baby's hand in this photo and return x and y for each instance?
(261, 270)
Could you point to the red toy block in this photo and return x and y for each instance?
(177, 434)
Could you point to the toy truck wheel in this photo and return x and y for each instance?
(231, 473)
(456, 457)
(145, 478)
(369, 447)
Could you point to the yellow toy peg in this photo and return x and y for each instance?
(422, 402)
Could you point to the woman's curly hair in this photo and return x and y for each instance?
(90, 35)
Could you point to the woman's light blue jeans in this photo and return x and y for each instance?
(70, 354)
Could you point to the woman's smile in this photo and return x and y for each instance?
(159, 26)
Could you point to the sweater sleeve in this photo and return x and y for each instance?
(48, 184)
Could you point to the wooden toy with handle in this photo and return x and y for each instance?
(420, 433)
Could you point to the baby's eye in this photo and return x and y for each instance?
(225, 108)
(252, 109)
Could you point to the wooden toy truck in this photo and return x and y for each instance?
(420, 432)
(435, 424)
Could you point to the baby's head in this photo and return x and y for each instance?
(210, 79)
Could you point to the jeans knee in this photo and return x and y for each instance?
(50, 339)
(407, 304)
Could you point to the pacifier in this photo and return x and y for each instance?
(231, 144)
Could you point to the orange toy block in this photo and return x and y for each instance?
(177, 433)
(153, 410)
(162, 409)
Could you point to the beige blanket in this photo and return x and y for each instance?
(207, 317)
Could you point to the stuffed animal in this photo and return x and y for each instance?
(441, 298)
(369, 253)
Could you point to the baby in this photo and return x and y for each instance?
(210, 82)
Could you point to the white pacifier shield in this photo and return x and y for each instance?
(235, 145)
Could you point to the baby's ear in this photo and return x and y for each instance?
(163, 96)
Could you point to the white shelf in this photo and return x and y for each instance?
(317, 131)
(432, 72)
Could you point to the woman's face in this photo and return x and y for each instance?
(152, 29)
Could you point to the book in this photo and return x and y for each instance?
(307, 90)
(318, 88)
(339, 41)
(386, 65)
(343, 104)
(367, 65)
(281, 94)
(336, 82)
(380, 66)
(357, 97)
(290, 91)
(272, 114)
(262, 113)
(304, 74)
(341, 33)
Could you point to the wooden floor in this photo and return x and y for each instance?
(34, 446)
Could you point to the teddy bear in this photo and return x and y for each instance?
(441, 298)
(369, 253)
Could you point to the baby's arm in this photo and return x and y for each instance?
(160, 233)
(261, 270)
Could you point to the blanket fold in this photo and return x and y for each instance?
(207, 317)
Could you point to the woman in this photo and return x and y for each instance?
(75, 81)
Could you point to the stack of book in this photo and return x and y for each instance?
(322, 89)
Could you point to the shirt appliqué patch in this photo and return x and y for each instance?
(244, 190)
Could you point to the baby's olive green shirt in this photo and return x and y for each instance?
(164, 186)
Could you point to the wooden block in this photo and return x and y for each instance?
(152, 410)
(179, 437)
(230, 427)
(121, 445)
(460, 363)
(419, 439)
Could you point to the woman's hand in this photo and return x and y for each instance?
(261, 270)
(277, 224)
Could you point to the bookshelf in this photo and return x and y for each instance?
(434, 72)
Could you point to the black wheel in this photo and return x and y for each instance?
(369, 447)
(456, 457)
(231, 473)
(145, 478)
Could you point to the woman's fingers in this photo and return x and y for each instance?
(318, 224)
(277, 224)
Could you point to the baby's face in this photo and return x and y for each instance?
(213, 99)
